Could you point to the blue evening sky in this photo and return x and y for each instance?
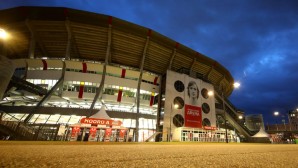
(256, 40)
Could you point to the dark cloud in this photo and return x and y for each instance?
(255, 40)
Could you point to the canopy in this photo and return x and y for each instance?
(101, 114)
(261, 133)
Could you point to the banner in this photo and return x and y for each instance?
(75, 131)
(97, 121)
(193, 116)
(108, 134)
(92, 132)
(121, 135)
(209, 128)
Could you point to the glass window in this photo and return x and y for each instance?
(179, 101)
(178, 120)
(206, 108)
(204, 93)
(206, 122)
(179, 86)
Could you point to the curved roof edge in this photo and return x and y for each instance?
(160, 49)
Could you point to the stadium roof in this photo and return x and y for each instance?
(53, 28)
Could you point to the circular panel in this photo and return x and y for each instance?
(178, 120)
(206, 108)
(179, 86)
(206, 122)
(179, 102)
(204, 93)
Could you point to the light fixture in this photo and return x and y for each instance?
(3, 34)
(176, 106)
(210, 93)
(236, 85)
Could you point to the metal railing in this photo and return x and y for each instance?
(231, 110)
(19, 130)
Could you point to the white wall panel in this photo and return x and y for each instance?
(38, 74)
(79, 76)
(19, 63)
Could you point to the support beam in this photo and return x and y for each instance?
(100, 88)
(173, 56)
(207, 76)
(31, 51)
(139, 84)
(44, 99)
(36, 38)
(69, 40)
(159, 106)
(193, 64)
(221, 80)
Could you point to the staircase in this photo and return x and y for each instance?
(17, 130)
(22, 84)
(152, 136)
(231, 116)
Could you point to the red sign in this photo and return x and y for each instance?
(92, 132)
(96, 121)
(75, 131)
(193, 116)
(108, 134)
(122, 133)
(209, 128)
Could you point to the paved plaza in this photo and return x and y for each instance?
(160, 154)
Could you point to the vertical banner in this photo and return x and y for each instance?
(108, 134)
(74, 133)
(121, 135)
(151, 98)
(119, 97)
(45, 65)
(82, 84)
(193, 116)
(92, 134)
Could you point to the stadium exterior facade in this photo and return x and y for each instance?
(69, 64)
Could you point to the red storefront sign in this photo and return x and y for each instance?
(209, 128)
(193, 116)
(96, 121)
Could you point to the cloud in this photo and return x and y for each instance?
(255, 40)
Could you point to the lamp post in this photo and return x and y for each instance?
(170, 135)
(235, 85)
(276, 113)
(223, 107)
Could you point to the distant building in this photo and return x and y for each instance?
(293, 119)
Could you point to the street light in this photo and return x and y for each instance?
(236, 85)
(276, 113)
(175, 107)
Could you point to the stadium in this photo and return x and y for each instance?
(81, 76)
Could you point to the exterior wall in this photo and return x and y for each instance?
(190, 111)
(89, 75)
(6, 72)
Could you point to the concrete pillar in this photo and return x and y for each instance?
(6, 72)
